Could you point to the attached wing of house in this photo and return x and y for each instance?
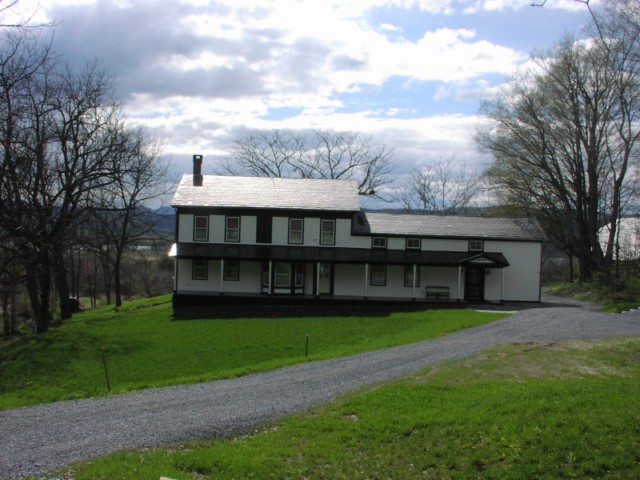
(309, 239)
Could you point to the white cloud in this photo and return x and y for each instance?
(198, 71)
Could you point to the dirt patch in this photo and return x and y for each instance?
(521, 361)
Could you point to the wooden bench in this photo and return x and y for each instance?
(436, 293)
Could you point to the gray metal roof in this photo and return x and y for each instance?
(273, 193)
(371, 223)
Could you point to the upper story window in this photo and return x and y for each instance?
(200, 228)
(296, 228)
(200, 269)
(232, 229)
(379, 242)
(412, 244)
(476, 245)
(327, 232)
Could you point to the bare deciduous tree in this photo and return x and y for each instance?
(266, 154)
(63, 142)
(326, 154)
(564, 141)
(442, 188)
(120, 217)
(22, 19)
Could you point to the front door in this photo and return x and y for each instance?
(324, 279)
(474, 284)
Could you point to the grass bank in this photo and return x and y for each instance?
(144, 346)
(615, 297)
(546, 411)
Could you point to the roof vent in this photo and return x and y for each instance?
(197, 170)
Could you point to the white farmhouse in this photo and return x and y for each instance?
(274, 239)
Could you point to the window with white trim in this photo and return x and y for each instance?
(199, 269)
(200, 228)
(476, 245)
(232, 229)
(282, 275)
(378, 275)
(379, 242)
(296, 230)
(327, 232)
(412, 243)
(231, 270)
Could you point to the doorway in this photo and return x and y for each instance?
(325, 278)
(474, 284)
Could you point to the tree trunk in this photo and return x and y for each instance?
(117, 287)
(7, 328)
(62, 285)
(572, 274)
(39, 289)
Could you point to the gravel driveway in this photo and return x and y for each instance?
(37, 439)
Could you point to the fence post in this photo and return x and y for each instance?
(106, 368)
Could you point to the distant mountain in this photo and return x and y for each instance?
(165, 211)
(166, 221)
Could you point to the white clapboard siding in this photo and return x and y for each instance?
(445, 245)
(442, 277)
(186, 282)
(522, 277)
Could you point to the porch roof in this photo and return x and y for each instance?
(339, 255)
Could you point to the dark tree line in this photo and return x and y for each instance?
(69, 161)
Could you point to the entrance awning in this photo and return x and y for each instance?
(489, 260)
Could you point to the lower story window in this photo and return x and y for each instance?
(408, 276)
(282, 275)
(231, 270)
(378, 275)
(200, 270)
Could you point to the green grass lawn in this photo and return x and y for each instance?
(543, 411)
(145, 347)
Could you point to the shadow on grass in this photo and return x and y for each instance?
(214, 312)
(237, 307)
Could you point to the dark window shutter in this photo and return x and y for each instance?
(263, 230)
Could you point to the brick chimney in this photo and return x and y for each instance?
(197, 170)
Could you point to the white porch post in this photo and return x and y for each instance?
(366, 279)
(175, 273)
(221, 276)
(269, 282)
(459, 282)
(413, 291)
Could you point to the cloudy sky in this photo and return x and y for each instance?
(410, 73)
